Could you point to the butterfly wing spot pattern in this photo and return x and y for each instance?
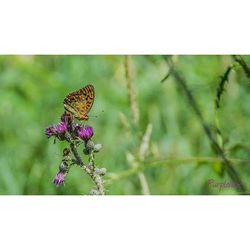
(79, 102)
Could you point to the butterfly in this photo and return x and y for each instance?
(79, 103)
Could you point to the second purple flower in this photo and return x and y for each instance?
(85, 133)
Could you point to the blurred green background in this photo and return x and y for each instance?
(179, 159)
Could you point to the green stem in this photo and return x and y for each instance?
(90, 171)
(153, 164)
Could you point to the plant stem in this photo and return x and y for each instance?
(90, 170)
(166, 162)
(243, 64)
(135, 114)
(131, 91)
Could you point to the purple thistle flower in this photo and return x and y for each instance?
(61, 128)
(49, 131)
(59, 178)
(57, 130)
(85, 133)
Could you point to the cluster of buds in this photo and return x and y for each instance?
(76, 135)
(63, 168)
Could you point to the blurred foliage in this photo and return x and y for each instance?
(179, 159)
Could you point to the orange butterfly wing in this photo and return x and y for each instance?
(80, 102)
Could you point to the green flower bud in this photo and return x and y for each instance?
(97, 147)
(89, 145)
(63, 167)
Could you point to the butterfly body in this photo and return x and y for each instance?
(79, 103)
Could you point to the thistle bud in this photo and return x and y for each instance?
(90, 145)
(97, 147)
(63, 167)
